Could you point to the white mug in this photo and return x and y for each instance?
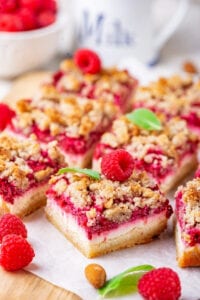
(121, 28)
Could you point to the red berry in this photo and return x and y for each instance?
(46, 18)
(88, 61)
(7, 6)
(10, 22)
(11, 224)
(28, 18)
(16, 253)
(160, 284)
(117, 165)
(49, 5)
(33, 5)
(6, 114)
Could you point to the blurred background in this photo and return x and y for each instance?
(75, 23)
(184, 43)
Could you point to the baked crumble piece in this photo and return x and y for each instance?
(188, 210)
(173, 96)
(158, 152)
(75, 123)
(25, 165)
(102, 203)
(111, 84)
(188, 224)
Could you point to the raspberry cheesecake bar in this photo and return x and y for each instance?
(84, 76)
(25, 168)
(121, 208)
(173, 96)
(167, 154)
(76, 123)
(188, 224)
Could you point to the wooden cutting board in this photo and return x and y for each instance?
(25, 86)
(23, 285)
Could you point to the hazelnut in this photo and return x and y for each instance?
(190, 67)
(96, 275)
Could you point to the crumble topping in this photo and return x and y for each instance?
(173, 95)
(116, 200)
(74, 116)
(15, 156)
(191, 199)
(108, 75)
(170, 142)
(49, 92)
(118, 212)
(109, 83)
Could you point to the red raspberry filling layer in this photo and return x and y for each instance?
(9, 191)
(193, 232)
(78, 145)
(88, 90)
(192, 120)
(69, 144)
(103, 224)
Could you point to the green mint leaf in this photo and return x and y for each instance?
(125, 283)
(144, 118)
(88, 172)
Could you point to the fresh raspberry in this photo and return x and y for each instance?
(117, 165)
(10, 22)
(88, 61)
(7, 6)
(46, 18)
(33, 5)
(160, 284)
(16, 253)
(28, 19)
(49, 5)
(6, 114)
(11, 224)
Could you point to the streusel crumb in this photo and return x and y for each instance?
(191, 198)
(116, 199)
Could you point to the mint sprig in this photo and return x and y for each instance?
(145, 119)
(125, 283)
(91, 173)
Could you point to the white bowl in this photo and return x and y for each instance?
(24, 51)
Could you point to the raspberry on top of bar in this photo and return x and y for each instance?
(113, 85)
(188, 212)
(161, 153)
(25, 165)
(173, 96)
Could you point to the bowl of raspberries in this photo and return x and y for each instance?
(29, 34)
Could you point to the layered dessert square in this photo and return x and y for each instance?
(111, 84)
(167, 154)
(173, 96)
(102, 215)
(75, 123)
(188, 224)
(25, 168)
